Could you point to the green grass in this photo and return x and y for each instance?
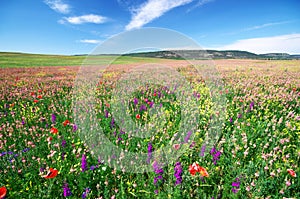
(21, 60)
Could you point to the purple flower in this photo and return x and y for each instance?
(25, 150)
(135, 101)
(235, 185)
(150, 148)
(23, 122)
(85, 193)
(151, 104)
(251, 105)
(231, 120)
(156, 191)
(143, 107)
(106, 113)
(187, 137)
(63, 155)
(63, 143)
(112, 123)
(75, 127)
(203, 148)
(216, 155)
(67, 191)
(83, 163)
(53, 118)
(178, 173)
(92, 167)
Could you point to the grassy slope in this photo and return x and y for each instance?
(20, 60)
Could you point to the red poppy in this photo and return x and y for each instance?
(32, 93)
(203, 172)
(49, 139)
(35, 101)
(154, 94)
(137, 116)
(194, 168)
(3, 191)
(292, 173)
(40, 90)
(40, 97)
(52, 173)
(66, 122)
(54, 130)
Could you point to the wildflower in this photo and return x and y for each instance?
(85, 193)
(194, 168)
(3, 191)
(52, 173)
(176, 146)
(35, 101)
(66, 122)
(40, 97)
(236, 185)
(292, 173)
(187, 137)
(216, 155)
(67, 191)
(288, 183)
(63, 143)
(203, 148)
(135, 101)
(137, 116)
(53, 118)
(83, 163)
(150, 148)
(49, 139)
(54, 130)
(178, 173)
(75, 127)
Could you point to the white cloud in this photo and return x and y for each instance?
(91, 18)
(200, 3)
(90, 41)
(266, 25)
(276, 44)
(58, 6)
(151, 10)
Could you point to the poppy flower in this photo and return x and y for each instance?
(154, 94)
(292, 173)
(35, 101)
(194, 168)
(203, 172)
(54, 130)
(40, 97)
(66, 122)
(52, 173)
(137, 116)
(49, 139)
(3, 191)
(32, 93)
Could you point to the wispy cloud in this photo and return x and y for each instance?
(58, 6)
(266, 25)
(200, 3)
(151, 10)
(282, 43)
(90, 41)
(91, 18)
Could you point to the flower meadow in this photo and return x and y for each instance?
(256, 155)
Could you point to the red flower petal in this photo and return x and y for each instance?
(292, 173)
(51, 174)
(3, 191)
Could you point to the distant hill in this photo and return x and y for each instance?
(212, 54)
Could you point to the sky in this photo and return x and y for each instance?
(78, 26)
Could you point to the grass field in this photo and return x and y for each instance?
(43, 153)
(21, 60)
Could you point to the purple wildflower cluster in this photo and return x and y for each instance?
(236, 185)
(67, 190)
(178, 173)
(159, 172)
(216, 155)
(83, 163)
(86, 192)
(187, 137)
(150, 148)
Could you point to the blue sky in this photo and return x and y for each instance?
(78, 26)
